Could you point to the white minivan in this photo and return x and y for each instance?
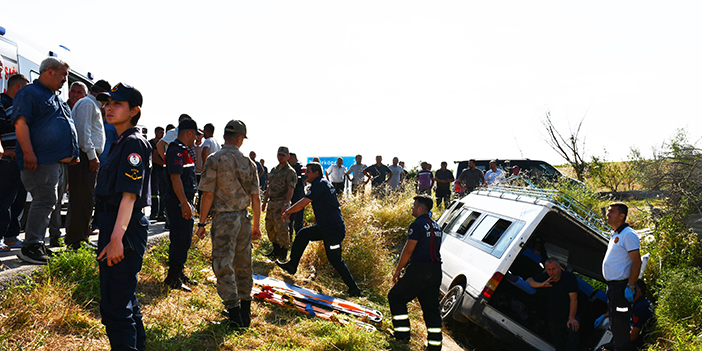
(494, 239)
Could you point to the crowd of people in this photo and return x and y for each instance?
(91, 145)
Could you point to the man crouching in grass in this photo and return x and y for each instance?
(422, 278)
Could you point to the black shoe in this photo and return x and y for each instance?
(235, 322)
(354, 292)
(245, 313)
(185, 280)
(287, 266)
(282, 255)
(34, 254)
(161, 219)
(54, 242)
(174, 282)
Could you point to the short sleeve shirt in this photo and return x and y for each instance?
(427, 250)
(444, 175)
(472, 178)
(325, 205)
(279, 179)
(336, 174)
(494, 177)
(51, 128)
(231, 177)
(424, 179)
(357, 171)
(558, 295)
(179, 161)
(379, 173)
(617, 261)
(126, 170)
(394, 181)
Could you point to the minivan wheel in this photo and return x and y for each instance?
(451, 302)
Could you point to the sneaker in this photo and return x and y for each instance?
(54, 242)
(176, 284)
(34, 254)
(287, 266)
(185, 280)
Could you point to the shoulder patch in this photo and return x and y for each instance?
(134, 159)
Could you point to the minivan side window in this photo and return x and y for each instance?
(463, 222)
(490, 230)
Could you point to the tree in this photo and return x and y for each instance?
(572, 148)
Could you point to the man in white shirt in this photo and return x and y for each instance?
(336, 174)
(358, 182)
(621, 268)
(494, 175)
(398, 176)
(82, 176)
(170, 137)
(210, 145)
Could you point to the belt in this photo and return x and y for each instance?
(617, 281)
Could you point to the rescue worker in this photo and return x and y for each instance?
(180, 167)
(421, 261)
(329, 227)
(229, 184)
(281, 184)
(122, 192)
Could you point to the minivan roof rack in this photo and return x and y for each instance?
(558, 198)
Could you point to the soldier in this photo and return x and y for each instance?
(179, 203)
(122, 193)
(281, 184)
(229, 185)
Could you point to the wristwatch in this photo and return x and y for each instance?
(201, 225)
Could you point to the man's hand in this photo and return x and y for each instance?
(200, 232)
(573, 323)
(599, 320)
(255, 233)
(186, 210)
(263, 207)
(9, 153)
(94, 165)
(546, 283)
(396, 276)
(74, 161)
(113, 253)
(629, 293)
(30, 161)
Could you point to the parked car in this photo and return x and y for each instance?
(495, 239)
(531, 169)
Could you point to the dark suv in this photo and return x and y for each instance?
(532, 169)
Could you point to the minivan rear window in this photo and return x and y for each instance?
(490, 230)
(463, 222)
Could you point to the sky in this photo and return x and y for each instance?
(423, 81)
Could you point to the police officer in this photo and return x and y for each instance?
(122, 192)
(180, 167)
(229, 185)
(329, 227)
(422, 264)
(281, 184)
(296, 218)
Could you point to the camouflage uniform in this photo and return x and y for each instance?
(279, 179)
(232, 178)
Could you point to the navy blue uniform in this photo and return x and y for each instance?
(127, 170)
(299, 192)
(12, 192)
(179, 161)
(421, 280)
(329, 228)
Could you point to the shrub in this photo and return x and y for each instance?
(77, 269)
(679, 310)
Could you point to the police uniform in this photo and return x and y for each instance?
(179, 161)
(421, 280)
(329, 228)
(296, 218)
(279, 180)
(127, 170)
(232, 178)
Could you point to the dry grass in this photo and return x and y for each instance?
(46, 313)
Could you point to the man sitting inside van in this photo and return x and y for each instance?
(561, 289)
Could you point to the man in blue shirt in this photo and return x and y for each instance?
(421, 262)
(330, 226)
(46, 137)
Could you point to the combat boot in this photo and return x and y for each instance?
(173, 280)
(274, 252)
(235, 322)
(282, 255)
(245, 312)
